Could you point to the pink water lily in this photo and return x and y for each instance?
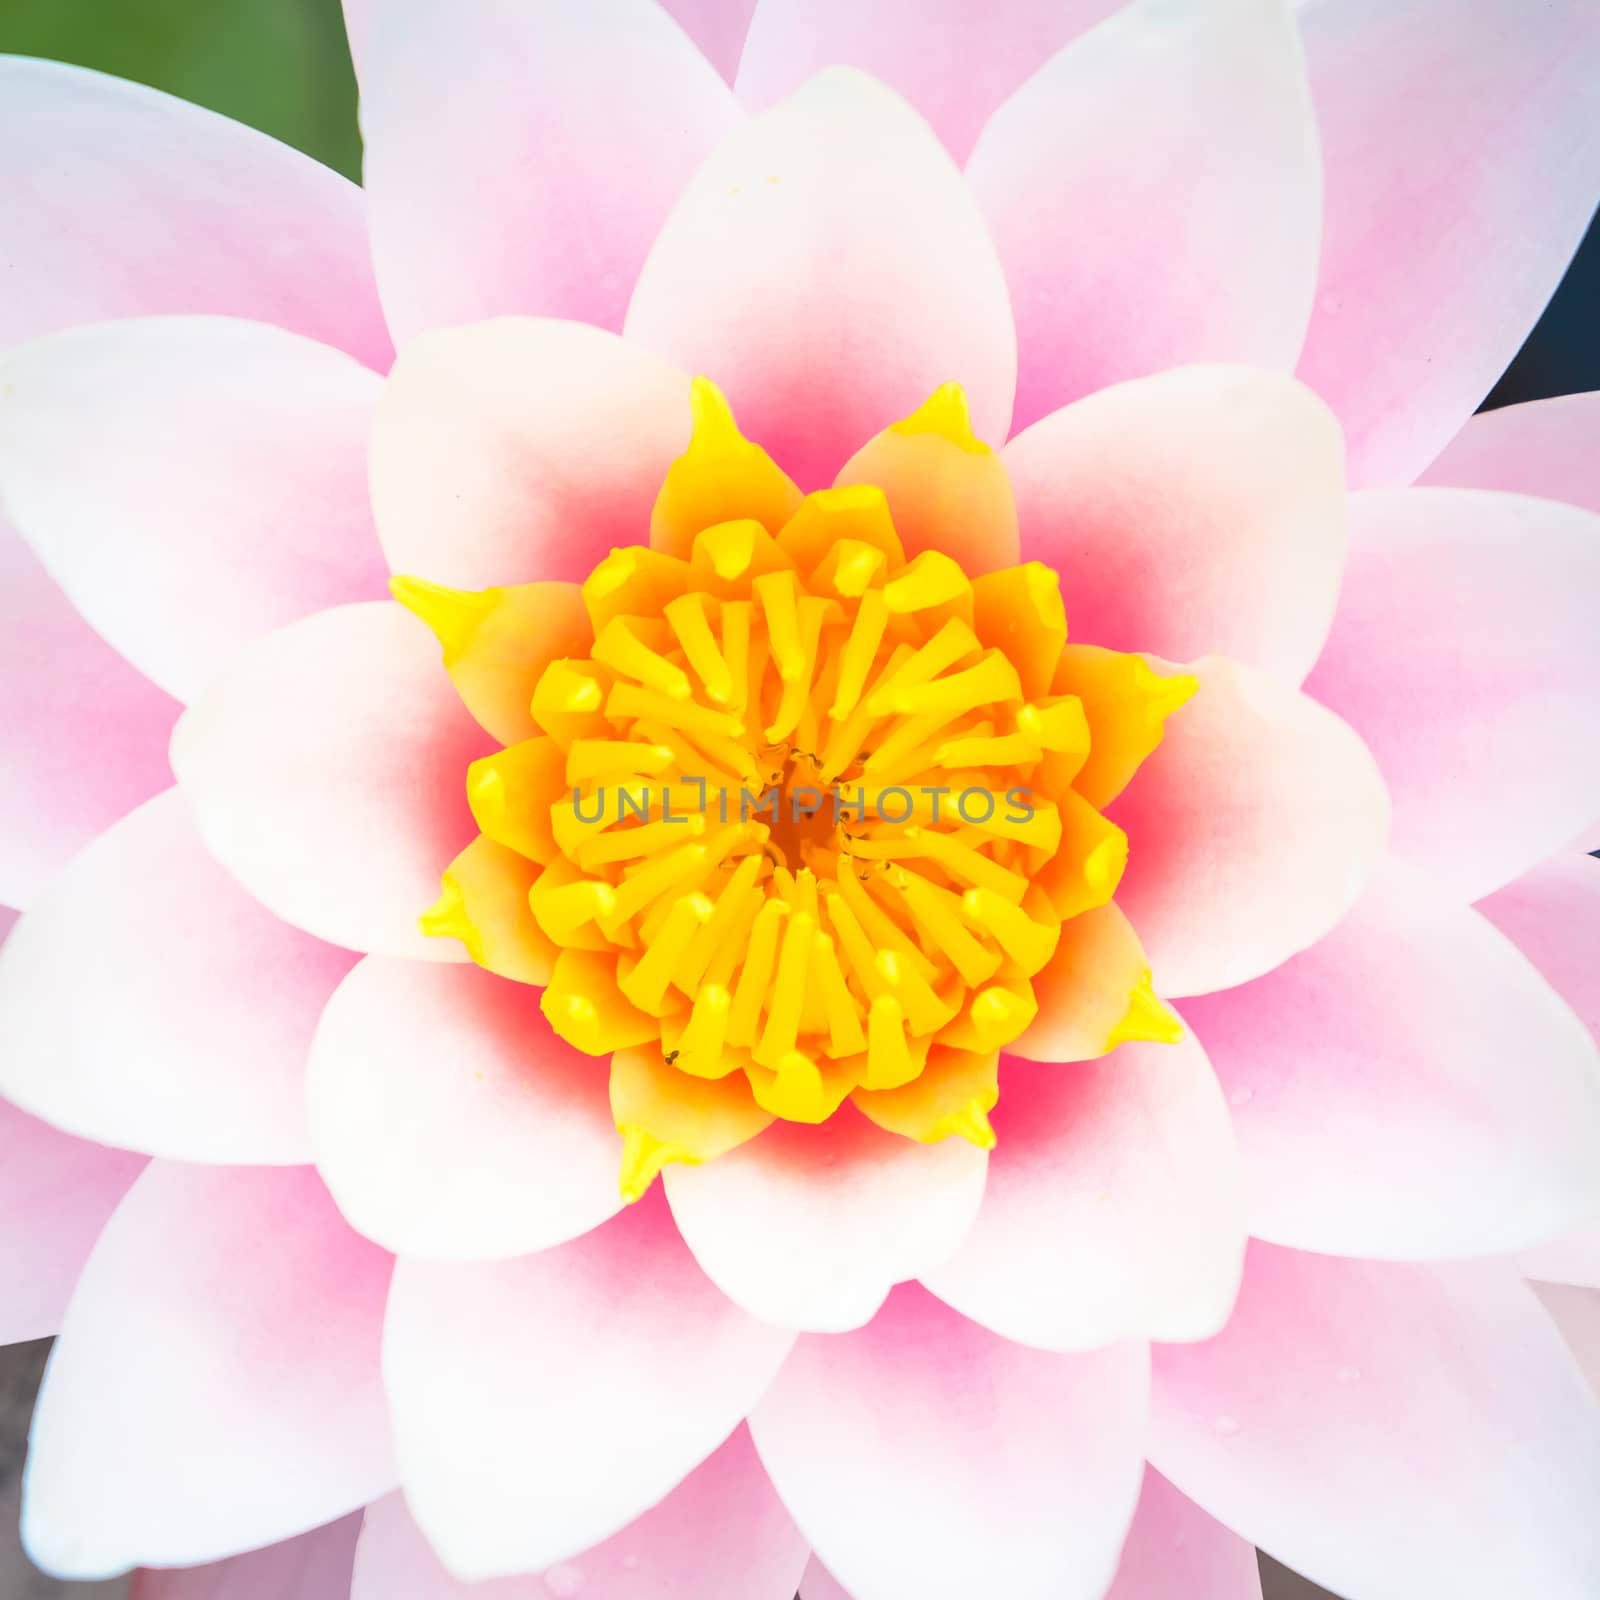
(827, 359)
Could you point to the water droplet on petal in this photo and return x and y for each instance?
(1226, 1427)
(563, 1581)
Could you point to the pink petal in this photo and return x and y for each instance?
(1573, 1258)
(148, 204)
(55, 1195)
(1409, 1087)
(1463, 158)
(810, 1227)
(1251, 831)
(828, 268)
(817, 1583)
(229, 488)
(722, 1532)
(315, 1566)
(1115, 1205)
(1546, 447)
(921, 1455)
(718, 27)
(521, 156)
(326, 765)
(955, 62)
(1465, 654)
(1390, 1430)
(148, 1001)
(216, 1384)
(450, 1122)
(1176, 1552)
(1576, 1312)
(1201, 510)
(521, 450)
(1552, 914)
(541, 1404)
(83, 736)
(1155, 195)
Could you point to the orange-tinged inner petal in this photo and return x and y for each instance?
(785, 817)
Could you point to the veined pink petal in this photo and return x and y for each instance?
(1390, 1430)
(1114, 1208)
(1552, 914)
(955, 62)
(148, 1001)
(1409, 1087)
(1463, 160)
(314, 1566)
(1546, 447)
(1176, 1552)
(450, 1122)
(963, 1464)
(722, 1532)
(228, 493)
(148, 204)
(827, 267)
(326, 765)
(541, 1404)
(1155, 194)
(216, 1384)
(55, 1195)
(1251, 831)
(83, 736)
(1198, 511)
(1465, 653)
(718, 27)
(1576, 1312)
(522, 154)
(810, 1227)
(521, 449)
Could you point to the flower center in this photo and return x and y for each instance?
(801, 818)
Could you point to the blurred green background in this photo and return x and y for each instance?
(280, 65)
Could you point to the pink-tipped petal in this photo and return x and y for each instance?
(216, 1383)
(148, 1001)
(522, 154)
(718, 27)
(148, 204)
(1198, 511)
(450, 1122)
(722, 1534)
(1409, 1087)
(541, 1404)
(827, 267)
(314, 1566)
(1546, 447)
(810, 1227)
(1462, 160)
(1465, 653)
(1251, 831)
(1390, 1430)
(521, 449)
(955, 62)
(228, 493)
(1176, 1552)
(83, 736)
(56, 1193)
(326, 766)
(966, 1465)
(1155, 194)
(1114, 1208)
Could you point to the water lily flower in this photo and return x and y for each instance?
(1055, 407)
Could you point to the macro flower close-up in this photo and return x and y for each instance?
(810, 814)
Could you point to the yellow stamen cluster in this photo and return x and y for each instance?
(803, 819)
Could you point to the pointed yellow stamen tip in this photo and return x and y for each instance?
(1167, 694)
(643, 1157)
(612, 573)
(1104, 865)
(731, 547)
(946, 413)
(933, 579)
(971, 1123)
(1147, 1019)
(714, 428)
(447, 917)
(454, 615)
